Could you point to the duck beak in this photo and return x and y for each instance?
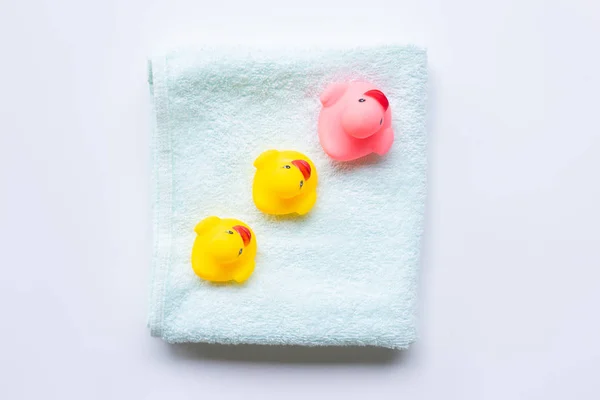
(304, 167)
(380, 97)
(244, 233)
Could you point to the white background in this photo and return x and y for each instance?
(511, 255)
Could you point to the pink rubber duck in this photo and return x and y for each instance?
(355, 120)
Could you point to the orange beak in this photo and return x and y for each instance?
(244, 233)
(304, 167)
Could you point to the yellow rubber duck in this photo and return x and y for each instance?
(285, 182)
(224, 250)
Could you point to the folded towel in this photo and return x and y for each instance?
(346, 273)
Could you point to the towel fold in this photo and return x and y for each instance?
(346, 273)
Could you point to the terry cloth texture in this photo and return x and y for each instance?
(346, 273)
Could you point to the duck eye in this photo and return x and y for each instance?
(240, 253)
(287, 167)
(230, 232)
(361, 100)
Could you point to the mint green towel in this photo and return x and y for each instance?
(346, 274)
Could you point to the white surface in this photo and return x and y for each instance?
(510, 273)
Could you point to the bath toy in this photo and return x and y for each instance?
(285, 182)
(224, 250)
(355, 120)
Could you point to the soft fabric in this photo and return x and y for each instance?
(345, 273)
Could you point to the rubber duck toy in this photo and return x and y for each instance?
(285, 182)
(355, 120)
(224, 250)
